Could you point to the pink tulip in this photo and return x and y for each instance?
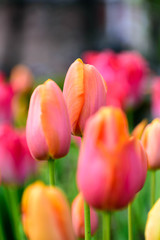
(135, 68)
(112, 166)
(124, 74)
(16, 163)
(78, 217)
(84, 92)
(48, 127)
(6, 95)
(151, 143)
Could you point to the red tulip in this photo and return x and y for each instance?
(78, 217)
(48, 128)
(112, 166)
(85, 92)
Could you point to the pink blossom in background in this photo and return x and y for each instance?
(16, 163)
(6, 95)
(155, 97)
(124, 74)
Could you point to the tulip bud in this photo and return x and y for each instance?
(152, 230)
(85, 92)
(138, 130)
(46, 214)
(78, 217)
(118, 161)
(151, 142)
(48, 128)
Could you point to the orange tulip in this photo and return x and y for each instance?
(78, 217)
(84, 92)
(48, 127)
(152, 230)
(112, 166)
(138, 130)
(151, 142)
(46, 214)
(21, 79)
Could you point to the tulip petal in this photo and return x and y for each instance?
(95, 93)
(74, 93)
(55, 119)
(35, 137)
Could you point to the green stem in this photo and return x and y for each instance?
(15, 212)
(153, 185)
(51, 171)
(130, 221)
(1, 231)
(106, 225)
(87, 221)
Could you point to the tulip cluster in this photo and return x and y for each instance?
(112, 164)
(124, 74)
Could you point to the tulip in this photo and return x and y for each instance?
(48, 127)
(138, 130)
(152, 230)
(118, 161)
(21, 79)
(78, 217)
(151, 142)
(16, 163)
(85, 92)
(46, 214)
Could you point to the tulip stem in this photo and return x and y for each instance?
(87, 221)
(15, 212)
(1, 231)
(51, 171)
(130, 221)
(153, 185)
(106, 225)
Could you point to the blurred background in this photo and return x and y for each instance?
(47, 36)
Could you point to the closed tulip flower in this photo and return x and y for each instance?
(118, 161)
(48, 127)
(152, 230)
(84, 92)
(78, 217)
(46, 214)
(151, 142)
